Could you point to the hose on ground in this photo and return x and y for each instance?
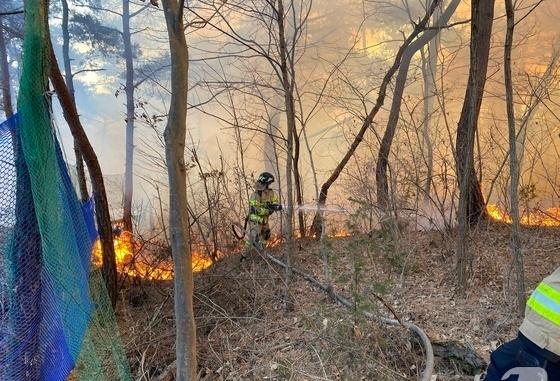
(429, 352)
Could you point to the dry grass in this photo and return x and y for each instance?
(246, 334)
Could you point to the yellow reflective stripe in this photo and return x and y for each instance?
(549, 291)
(545, 312)
(256, 218)
(258, 206)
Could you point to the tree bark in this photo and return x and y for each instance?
(471, 202)
(175, 134)
(298, 183)
(316, 227)
(129, 91)
(5, 68)
(103, 216)
(481, 30)
(383, 197)
(80, 171)
(517, 254)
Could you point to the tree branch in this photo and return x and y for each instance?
(85, 71)
(10, 13)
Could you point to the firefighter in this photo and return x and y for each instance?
(263, 202)
(535, 353)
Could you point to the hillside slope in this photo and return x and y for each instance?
(245, 333)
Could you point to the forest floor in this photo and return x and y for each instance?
(246, 333)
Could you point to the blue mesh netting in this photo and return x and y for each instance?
(45, 304)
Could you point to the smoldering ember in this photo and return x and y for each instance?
(279, 190)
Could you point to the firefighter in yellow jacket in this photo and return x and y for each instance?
(535, 353)
(263, 202)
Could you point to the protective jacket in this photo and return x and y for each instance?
(261, 205)
(542, 314)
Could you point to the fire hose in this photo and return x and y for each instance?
(429, 352)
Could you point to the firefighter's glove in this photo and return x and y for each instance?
(273, 207)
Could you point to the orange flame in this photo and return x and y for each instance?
(340, 233)
(549, 217)
(141, 267)
(200, 262)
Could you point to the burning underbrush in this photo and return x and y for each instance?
(148, 260)
(536, 217)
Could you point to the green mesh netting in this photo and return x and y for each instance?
(55, 314)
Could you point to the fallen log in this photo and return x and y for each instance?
(459, 355)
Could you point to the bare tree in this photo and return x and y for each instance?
(471, 202)
(288, 83)
(429, 68)
(383, 197)
(513, 162)
(68, 76)
(103, 216)
(129, 89)
(482, 18)
(537, 90)
(368, 120)
(175, 136)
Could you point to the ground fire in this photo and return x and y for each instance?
(549, 217)
(144, 266)
(148, 267)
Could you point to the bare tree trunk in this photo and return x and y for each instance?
(289, 104)
(279, 181)
(272, 125)
(383, 197)
(271, 152)
(213, 225)
(316, 227)
(429, 68)
(481, 31)
(5, 68)
(129, 90)
(517, 254)
(82, 183)
(103, 216)
(298, 180)
(537, 95)
(175, 135)
(471, 202)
